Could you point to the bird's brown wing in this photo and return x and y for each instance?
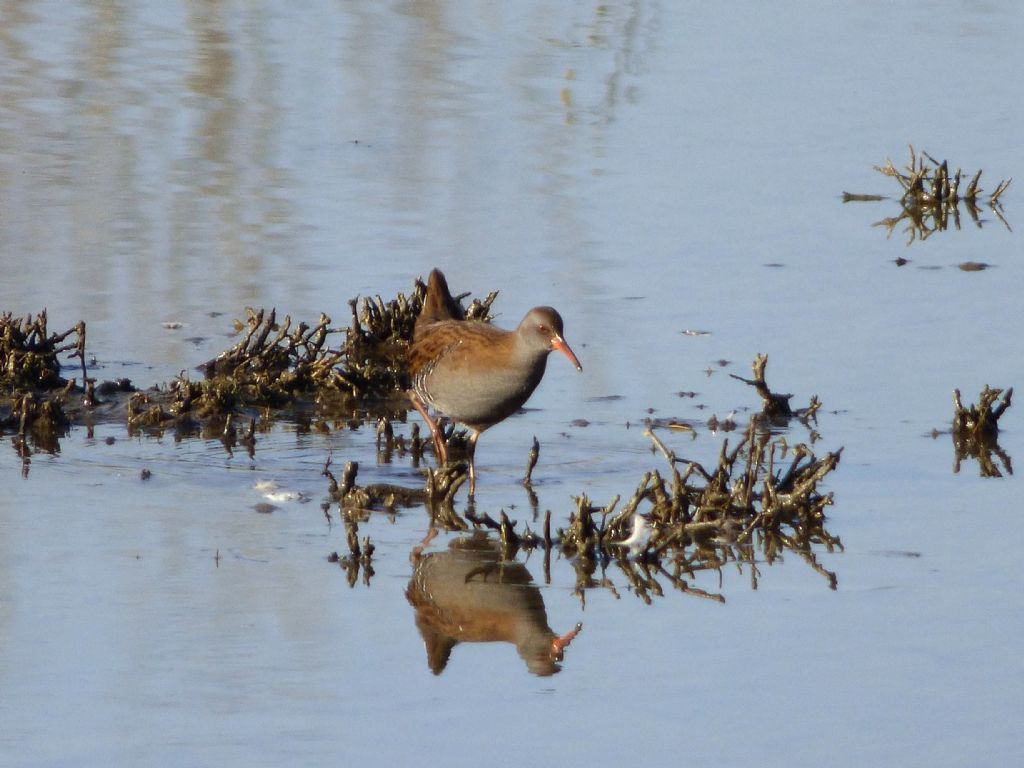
(456, 344)
(438, 304)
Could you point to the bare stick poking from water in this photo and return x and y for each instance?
(531, 462)
(772, 403)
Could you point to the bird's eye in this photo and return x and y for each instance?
(542, 328)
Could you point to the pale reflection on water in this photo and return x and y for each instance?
(164, 161)
(635, 164)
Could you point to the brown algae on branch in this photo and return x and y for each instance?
(931, 196)
(274, 362)
(772, 403)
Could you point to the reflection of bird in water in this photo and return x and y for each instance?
(469, 595)
(637, 540)
(472, 372)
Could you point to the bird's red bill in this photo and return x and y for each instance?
(559, 343)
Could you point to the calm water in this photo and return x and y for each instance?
(646, 168)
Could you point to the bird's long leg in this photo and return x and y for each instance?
(471, 454)
(440, 450)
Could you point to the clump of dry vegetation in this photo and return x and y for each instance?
(29, 352)
(761, 500)
(279, 364)
(276, 365)
(932, 196)
(33, 394)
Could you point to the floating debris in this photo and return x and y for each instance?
(850, 197)
(728, 424)
(982, 420)
(357, 502)
(976, 431)
(680, 426)
(273, 492)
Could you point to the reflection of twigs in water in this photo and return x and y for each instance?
(442, 485)
(355, 505)
(982, 450)
(360, 556)
(976, 431)
(925, 220)
(353, 501)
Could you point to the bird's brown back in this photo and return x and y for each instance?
(462, 343)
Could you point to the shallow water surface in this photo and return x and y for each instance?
(646, 168)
